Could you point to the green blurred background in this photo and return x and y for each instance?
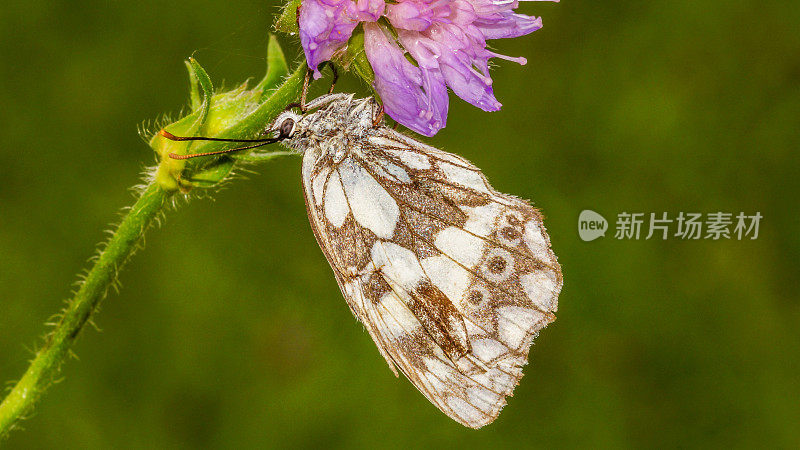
(230, 330)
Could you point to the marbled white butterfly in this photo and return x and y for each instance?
(452, 279)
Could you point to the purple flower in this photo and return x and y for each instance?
(446, 39)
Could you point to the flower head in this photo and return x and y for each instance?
(427, 46)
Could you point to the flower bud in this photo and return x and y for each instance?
(241, 113)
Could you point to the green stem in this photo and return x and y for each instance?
(103, 274)
(123, 243)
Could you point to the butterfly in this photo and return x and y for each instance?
(451, 279)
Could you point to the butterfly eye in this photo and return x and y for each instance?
(286, 128)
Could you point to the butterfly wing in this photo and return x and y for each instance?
(452, 279)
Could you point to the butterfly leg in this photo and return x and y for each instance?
(307, 82)
(378, 118)
(326, 99)
(303, 95)
(335, 75)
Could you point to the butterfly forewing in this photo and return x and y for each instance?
(452, 279)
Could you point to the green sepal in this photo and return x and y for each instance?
(277, 68)
(356, 57)
(287, 21)
(168, 175)
(194, 87)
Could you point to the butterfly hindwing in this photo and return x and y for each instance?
(452, 279)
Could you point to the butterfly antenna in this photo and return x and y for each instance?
(258, 143)
(172, 137)
(222, 152)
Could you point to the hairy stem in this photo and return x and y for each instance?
(45, 365)
(125, 240)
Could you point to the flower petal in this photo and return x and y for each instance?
(446, 38)
(414, 96)
(325, 27)
(509, 25)
(457, 55)
(408, 15)
(367, 10)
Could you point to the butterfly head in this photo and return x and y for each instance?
(285, 125)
